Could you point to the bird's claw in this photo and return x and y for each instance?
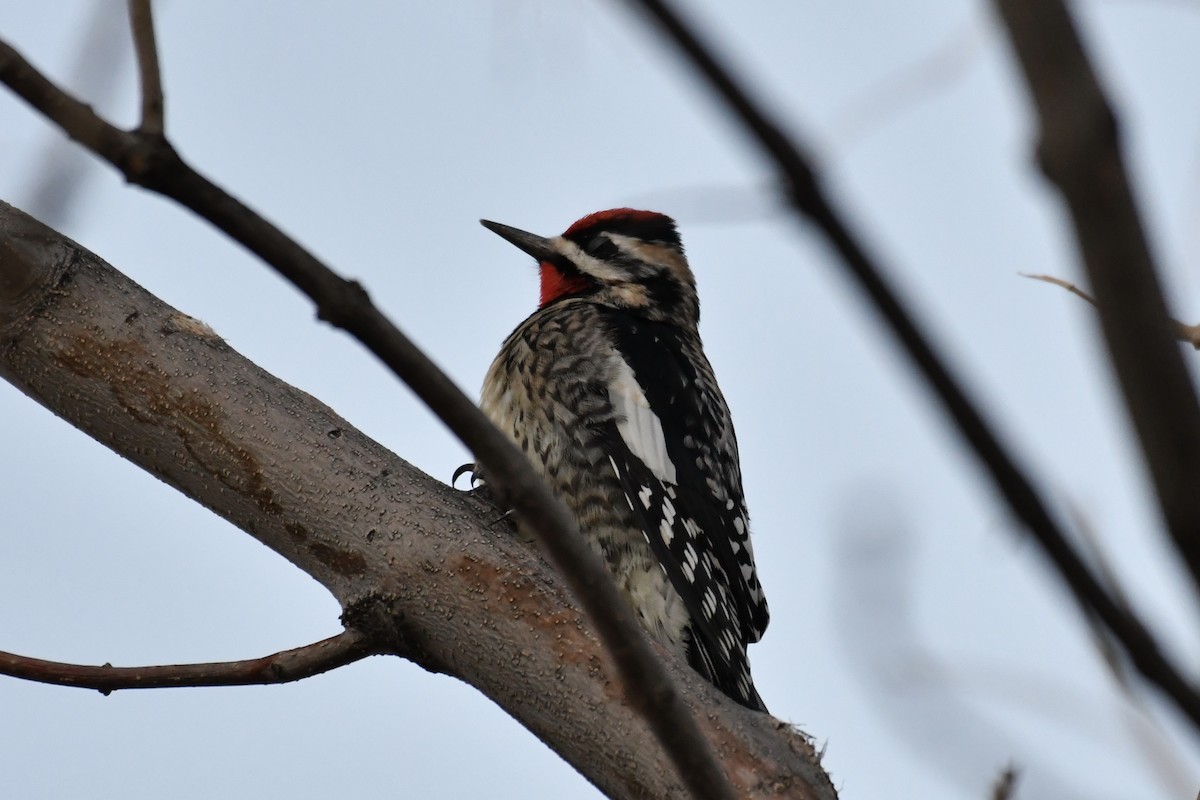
(465, 468)
(501, 518)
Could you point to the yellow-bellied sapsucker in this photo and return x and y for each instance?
(607, 391)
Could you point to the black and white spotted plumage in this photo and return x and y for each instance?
(607, 389)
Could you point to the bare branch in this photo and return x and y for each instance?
(1079, 152)
(142, 22)
(150, 161)
(808, 199)
(1184, 333)
(290, 665)
(1070, 287)
(75, 118)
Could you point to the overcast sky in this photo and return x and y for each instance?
(915, 634)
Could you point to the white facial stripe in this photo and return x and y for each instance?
(587, 264)
(638, 425)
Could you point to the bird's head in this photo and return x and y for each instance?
(623, 258)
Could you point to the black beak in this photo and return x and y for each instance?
(536, 246)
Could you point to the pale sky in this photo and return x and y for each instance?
(915, 634)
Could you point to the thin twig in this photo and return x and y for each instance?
(1183, 332)
(290, 665)
(808, 199)
(902, 90)
(1079, 152)
(147, 57)
(150, 161)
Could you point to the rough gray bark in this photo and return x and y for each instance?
(413, 562)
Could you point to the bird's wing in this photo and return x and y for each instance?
(688, 503)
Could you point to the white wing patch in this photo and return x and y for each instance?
(638, 425)
(645, 494)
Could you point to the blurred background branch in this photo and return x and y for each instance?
(1079, 151)
(1023, 500)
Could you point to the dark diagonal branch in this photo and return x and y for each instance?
(807, 197)
(1079, 152)
(144, 45)
(150, 161)
(290, 665)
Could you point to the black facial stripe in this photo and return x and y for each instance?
(658, 229)
(568, 268)
(603, 248)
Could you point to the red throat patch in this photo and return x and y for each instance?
(555, 284)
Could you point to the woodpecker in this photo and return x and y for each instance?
(607, 390)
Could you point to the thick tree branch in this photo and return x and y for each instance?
(808, 199)
(290, 665)
(415, 563)
(1079, 152)
(144, 45)
(150, 161)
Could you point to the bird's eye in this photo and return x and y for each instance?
(602, 247)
